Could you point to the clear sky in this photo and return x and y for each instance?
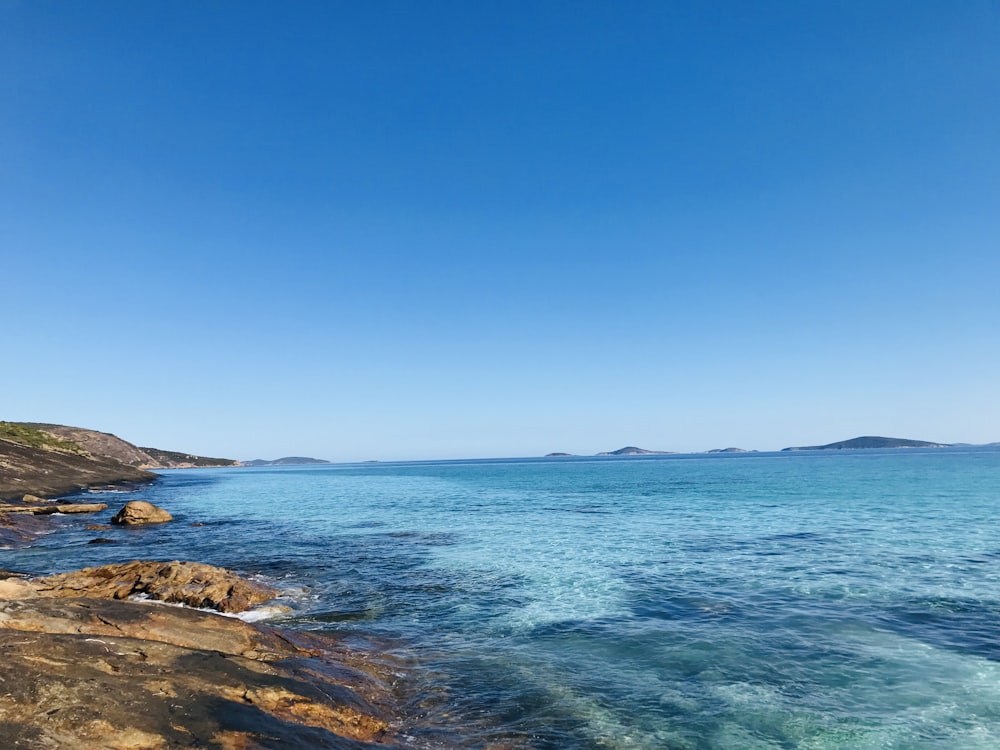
(405, 230)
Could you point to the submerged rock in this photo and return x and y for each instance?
(139, 512)
(193, 584)
(21, 529)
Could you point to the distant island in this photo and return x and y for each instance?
(559, 455)
(631, 450)
(870, 441)
(729, 450)
(286, 461)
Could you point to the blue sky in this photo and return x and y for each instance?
(430, 230)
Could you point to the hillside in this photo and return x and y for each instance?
(39, 463)
(106, 445)
(869, 441)
(176, 460)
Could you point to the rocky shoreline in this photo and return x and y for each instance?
(105, 658)
(84, 665)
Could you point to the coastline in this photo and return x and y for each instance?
(92, 666)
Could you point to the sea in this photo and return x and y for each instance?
(756, 601)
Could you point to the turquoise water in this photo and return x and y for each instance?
(822, 600)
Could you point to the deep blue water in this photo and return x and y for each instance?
(728, 602)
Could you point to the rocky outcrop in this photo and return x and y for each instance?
(142, 676)
(81, 667)
(44, 472)
(139, 513)
(35, 611)
(50, 508)
(193, 584)
(19, 522)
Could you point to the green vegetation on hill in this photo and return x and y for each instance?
(176, 458)
(34, 438)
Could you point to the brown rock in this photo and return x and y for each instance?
(13, 588)
(138, 512)
(126, 675)
(178, 626)
(32, 499)
(50, 508)
(69, 691)
(193, 584)
(97, 527)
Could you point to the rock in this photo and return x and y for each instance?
(50, 508)
(138, 512)
(97, 527)
(193, 584)
(68, 691)
(178, 626)
(12, 588)
(32, 499)
(101, 540)
(126, 675)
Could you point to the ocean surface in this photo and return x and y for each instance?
(820, 600)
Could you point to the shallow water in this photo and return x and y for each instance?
(844, 599)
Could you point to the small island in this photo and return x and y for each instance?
(631, 450)
(286, 461)
(868, 442)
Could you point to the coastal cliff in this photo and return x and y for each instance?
(50, 460)
(106, 445)
(39, 463)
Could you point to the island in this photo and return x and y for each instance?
(286, 461)
(730, 450)
(868, 442)
(559, 455)
(631, 450)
